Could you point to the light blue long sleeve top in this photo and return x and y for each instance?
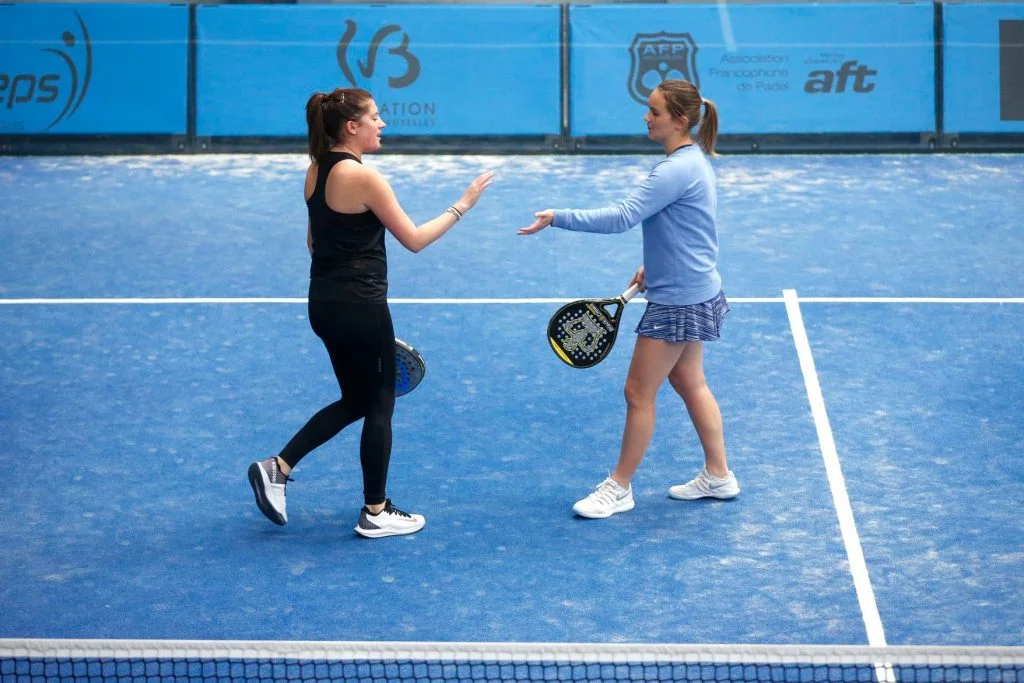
(676, 206)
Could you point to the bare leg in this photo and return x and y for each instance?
(687, 378)
(653, 359)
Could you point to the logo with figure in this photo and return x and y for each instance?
(655, 57)
(411, 64)
(583, 334)
(45, 85)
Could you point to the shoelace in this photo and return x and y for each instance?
(605, 493)
(388, 507)
(702, 482)
(276, 474)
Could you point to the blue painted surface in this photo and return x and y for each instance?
(925, 402)
(131, 426)
(235, 226)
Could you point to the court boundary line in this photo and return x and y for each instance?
(72, 301)
(833, 470)
(991, 655)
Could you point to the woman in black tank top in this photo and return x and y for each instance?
(350, 206)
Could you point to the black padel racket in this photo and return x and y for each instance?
(409, 368)
(582, 333)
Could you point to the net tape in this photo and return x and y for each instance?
(135, 660)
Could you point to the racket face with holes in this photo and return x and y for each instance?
(582, 333)
(409, 368)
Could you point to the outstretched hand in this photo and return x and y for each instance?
(544, 219)
(473, 192)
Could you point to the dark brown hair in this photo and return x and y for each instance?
(683, 100)
(326, 114)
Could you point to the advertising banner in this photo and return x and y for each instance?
(786, 68)
(432, 69)
(93, 69)
(984, 68)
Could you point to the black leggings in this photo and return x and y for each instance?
(360, 339)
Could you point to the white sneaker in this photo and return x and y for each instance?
(706, 485)
(268, 482)
(388, 522)
(606, 500)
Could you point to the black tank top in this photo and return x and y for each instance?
(349, 260)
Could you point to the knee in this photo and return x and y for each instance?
(689, 387)
(381, 408)
(373, 407)
(634, 396)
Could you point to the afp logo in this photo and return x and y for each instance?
(410, 64)
(655, 57)
(45, 83)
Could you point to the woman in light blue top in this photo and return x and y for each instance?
(676, 206)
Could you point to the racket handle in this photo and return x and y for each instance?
(631, 292)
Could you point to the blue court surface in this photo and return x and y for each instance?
(154, 342)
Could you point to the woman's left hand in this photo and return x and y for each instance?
(544, 219)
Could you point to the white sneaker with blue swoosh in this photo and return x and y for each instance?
(706, 485)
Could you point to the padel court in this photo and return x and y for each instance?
(155, 342)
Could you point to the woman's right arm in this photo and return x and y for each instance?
(658, 190)
(653, 195)
(380, 199)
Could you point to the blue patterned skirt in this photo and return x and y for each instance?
(696, 322)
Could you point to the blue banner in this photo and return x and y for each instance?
(787, 68)
(984, 68)
(432, 69)
(93, 69)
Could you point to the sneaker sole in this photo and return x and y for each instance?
(256, 480)
(382, 533)
(718, 496)
(591, 515)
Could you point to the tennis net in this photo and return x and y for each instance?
(31, 660)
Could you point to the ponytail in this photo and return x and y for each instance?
(319, 142)
(708, 133)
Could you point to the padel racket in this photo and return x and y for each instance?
(582, 333)
(409, 368)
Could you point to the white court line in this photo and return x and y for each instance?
(302, 300)
(70, 301)
(910, 300)
(847, 525)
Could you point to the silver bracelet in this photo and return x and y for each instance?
(455, 212)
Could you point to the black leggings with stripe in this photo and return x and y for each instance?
(360, 339)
